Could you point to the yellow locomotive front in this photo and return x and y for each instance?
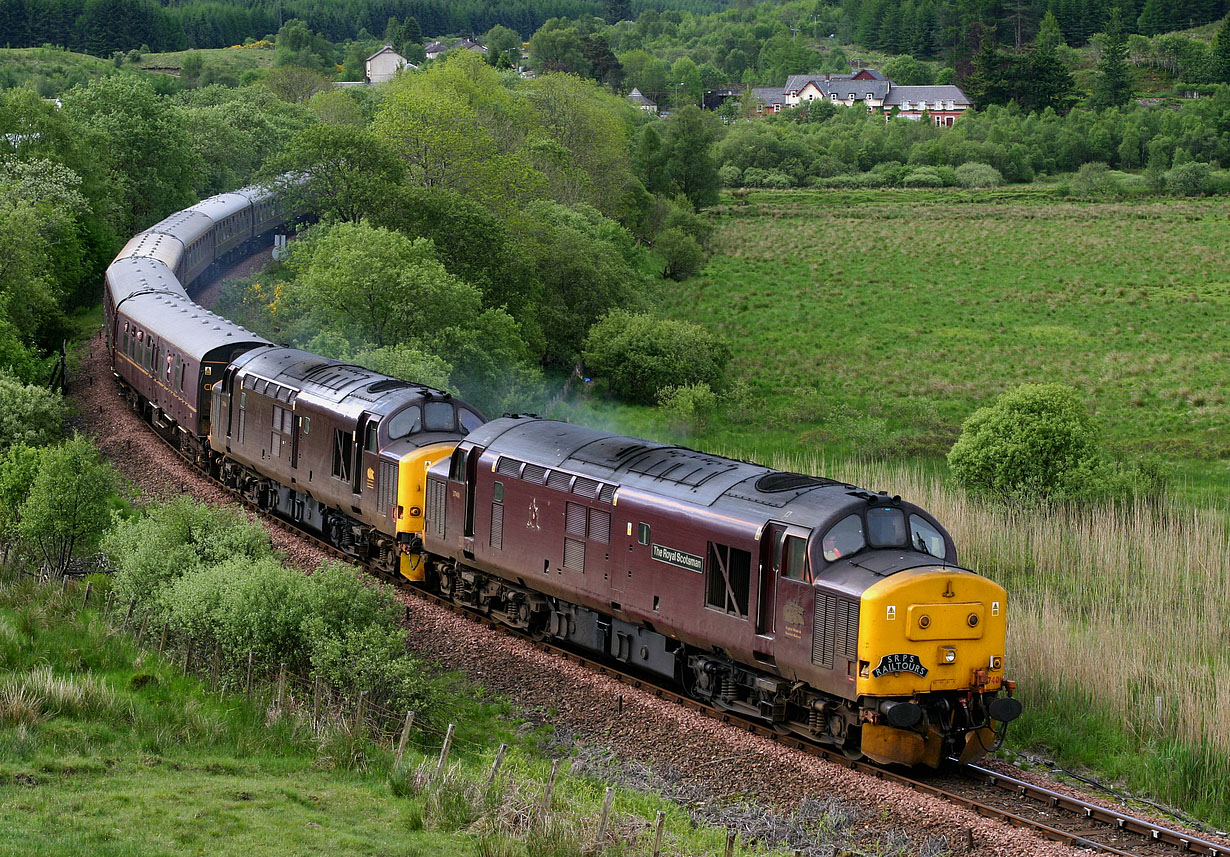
(931, 666)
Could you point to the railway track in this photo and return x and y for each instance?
(1050, 814)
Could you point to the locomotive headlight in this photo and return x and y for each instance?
(997, 662)
(948, 654)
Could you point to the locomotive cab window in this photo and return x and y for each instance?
(457, 465)
(926, 538)
(468, 420)
(886, 528)
(438, 416)
(794, 559)
(405, 422)
(371, 438)
(845, 538)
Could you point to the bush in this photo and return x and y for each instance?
(1190, 179)
(181, 537)
(681, 253)
(1092, 179)
(778, 181)
(639, 355)
(730, 175)
(29, 414)
(68, 506)
(1036, 442)
(974, 174)
(923, 177)
(688, 407)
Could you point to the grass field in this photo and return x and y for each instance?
(874, 322)
(233, 60)
(51, 71)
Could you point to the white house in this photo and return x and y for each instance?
(383, 64)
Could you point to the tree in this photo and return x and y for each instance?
(338, 172)
(681, 253)
(1035, 442)
(376, 286)
(298, 46)
(68, 507)
(557, 47)
(904, 70)
(19, 464)
(502, 41)
(1049, 37)
(1220, 58)
(1112, 84)
(685, 77)
(688, 138)
(639, 355)
(1046, 82)
(295, 84)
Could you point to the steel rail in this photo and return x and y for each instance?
(1111, 822)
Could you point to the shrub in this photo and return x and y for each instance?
(1035, 442)
(778, 181)
(29, 414)
(974, 174)
(639, 354)
(755, 177)
(688, 407)
(181, 537)
(730, 175)
(68, 505)
(923, 177)
(1092, 179)
(1190, 179)
(681, 253)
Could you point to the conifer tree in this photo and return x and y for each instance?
(1112, 86)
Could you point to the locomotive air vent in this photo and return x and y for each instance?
(772, 483)
(387, 384)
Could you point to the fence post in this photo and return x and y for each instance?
(216, 666)
(607, 800)
(110, 601)
(64, 584)
(358, 714)
(495, 766)
(162, 639)
(316, 703)
(247, 687)
(448, 743)
(188, 655)
(405, 738)
(89, 585)
(657, 834)
(132, 605)
(281, 687)
(546, 794)
(141, 630)
(730, 843)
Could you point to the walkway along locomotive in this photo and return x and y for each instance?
(828, 611)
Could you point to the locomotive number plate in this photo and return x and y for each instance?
(900, 663)
(673, 556)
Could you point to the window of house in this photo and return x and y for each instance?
(905, 105)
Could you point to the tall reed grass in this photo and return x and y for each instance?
(1117, 617)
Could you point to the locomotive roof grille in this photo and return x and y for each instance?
(772, 483)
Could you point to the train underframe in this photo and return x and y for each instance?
(910, 731)
(918, 730)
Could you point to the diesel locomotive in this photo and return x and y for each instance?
(828, 611)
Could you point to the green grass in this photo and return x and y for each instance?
(51, 71)
(873, 322)
(235, 60)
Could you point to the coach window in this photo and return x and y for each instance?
(642, 534)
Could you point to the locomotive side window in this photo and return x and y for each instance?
(405, 422)
(926, 538)
(343, 454)
(438, 416)
(468, 419)
(457, 465)
(730, 578)
(794, 559)
(642, 534)
(844, 538)
(886, 528)
(371, 438)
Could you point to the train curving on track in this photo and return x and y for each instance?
(829, 612)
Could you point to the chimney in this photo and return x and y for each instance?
(826, 75)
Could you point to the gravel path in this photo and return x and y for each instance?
(686, 750)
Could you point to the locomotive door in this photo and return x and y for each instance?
(766, 591)
(796, 597)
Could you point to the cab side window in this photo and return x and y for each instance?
(794, 559)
